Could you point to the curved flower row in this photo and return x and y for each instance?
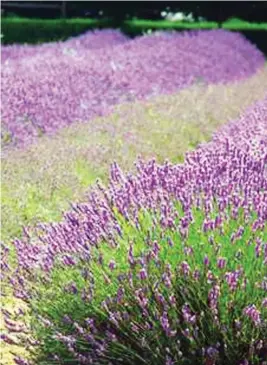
(163, 267)
(231, 169)
(47, 90)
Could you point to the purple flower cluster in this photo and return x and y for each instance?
(50, 86)
(252, 312)
(218, 198)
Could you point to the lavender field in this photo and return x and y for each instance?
(134, 200)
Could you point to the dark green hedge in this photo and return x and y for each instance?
(136, 26)
(239, 24)
(22, 30)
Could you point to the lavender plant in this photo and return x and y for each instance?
(163, 267)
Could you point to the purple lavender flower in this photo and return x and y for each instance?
(112, 264)
(143, 274)
(130, 255)
(165, 322)
(221, 262)
(206, 261)
(71, 288)
(196, 274)
(188, 316)
(232, 279)
(185, 268)
(213, 296)
(20, 361)
(69, 261)
(9, 340)
(252, 312)
(212, 352)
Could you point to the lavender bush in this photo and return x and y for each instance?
(164, 267)
(53, 86)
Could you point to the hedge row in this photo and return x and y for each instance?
(233, 23)
(23, 30)
(239, 24)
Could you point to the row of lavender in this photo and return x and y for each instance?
(50, 86)
(87, 41)
(164, 267)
